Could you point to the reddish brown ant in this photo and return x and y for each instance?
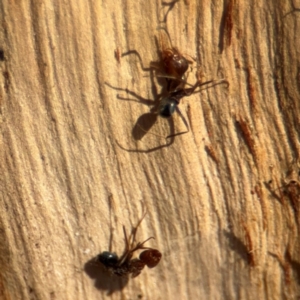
(172, 66)
(125, 265)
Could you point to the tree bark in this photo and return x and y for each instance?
(81, 157)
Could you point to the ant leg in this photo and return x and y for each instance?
(139, 57)
(129, 242)
(185, 123)
(214, 83)
(191, 90)
(134, 229)
(110, 201)
(150, 69)
(142, 100)
(133, 234)
(140, 246)
(126, 254)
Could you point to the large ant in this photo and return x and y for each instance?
(125, 265)
(175, 65)
(172, 66)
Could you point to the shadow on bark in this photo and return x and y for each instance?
(103, 279)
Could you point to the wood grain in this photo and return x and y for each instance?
(222, 200)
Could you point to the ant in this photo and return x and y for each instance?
(125, 265)
(175, 66)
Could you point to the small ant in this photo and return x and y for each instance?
(125, 265)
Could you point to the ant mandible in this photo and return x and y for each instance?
(125, 265)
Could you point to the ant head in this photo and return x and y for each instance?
(175, 64)
(150, 257)
(108, 259)
(167, 107)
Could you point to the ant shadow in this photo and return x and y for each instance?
(296, 268)
(170, 6)
(279, 196)
(238, 246)
(102, 278)
(294, 9)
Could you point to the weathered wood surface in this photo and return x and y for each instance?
(225, 230)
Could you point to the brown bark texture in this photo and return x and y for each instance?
(82, 154)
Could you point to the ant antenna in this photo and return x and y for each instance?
(167, 33)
